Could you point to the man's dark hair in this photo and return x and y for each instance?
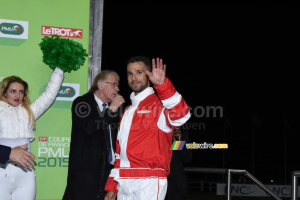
(144, 59)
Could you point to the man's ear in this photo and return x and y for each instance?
(100, 85)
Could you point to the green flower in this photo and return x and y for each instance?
(63, 53)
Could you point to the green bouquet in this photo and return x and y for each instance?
(63, 53)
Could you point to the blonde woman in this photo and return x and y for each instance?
(17, 122)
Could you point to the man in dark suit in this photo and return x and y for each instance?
(93, 138)
(177, 180)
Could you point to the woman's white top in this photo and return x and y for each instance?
(14, 120)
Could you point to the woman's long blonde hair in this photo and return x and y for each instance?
(4, 85)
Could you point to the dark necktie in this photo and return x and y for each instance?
(110, 158)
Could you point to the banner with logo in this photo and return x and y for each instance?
(23, 24)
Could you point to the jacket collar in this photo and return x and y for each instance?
(141, 96)
(6, 105)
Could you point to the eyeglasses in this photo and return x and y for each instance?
(114, 84)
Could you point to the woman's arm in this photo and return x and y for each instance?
(46, 99)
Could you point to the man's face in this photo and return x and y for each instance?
(110, 87)
(136, 76)
(15, 94)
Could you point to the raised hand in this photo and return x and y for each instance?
(158, 74)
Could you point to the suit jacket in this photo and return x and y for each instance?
(4, 154)
(177, 179)
(88, 160)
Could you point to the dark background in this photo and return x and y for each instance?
(239, 57)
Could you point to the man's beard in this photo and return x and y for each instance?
(140, 88)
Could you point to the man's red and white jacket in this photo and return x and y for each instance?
(145, 134)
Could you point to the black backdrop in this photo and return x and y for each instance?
(234, 56)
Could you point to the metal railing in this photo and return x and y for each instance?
(229, 173)
(295, 175)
